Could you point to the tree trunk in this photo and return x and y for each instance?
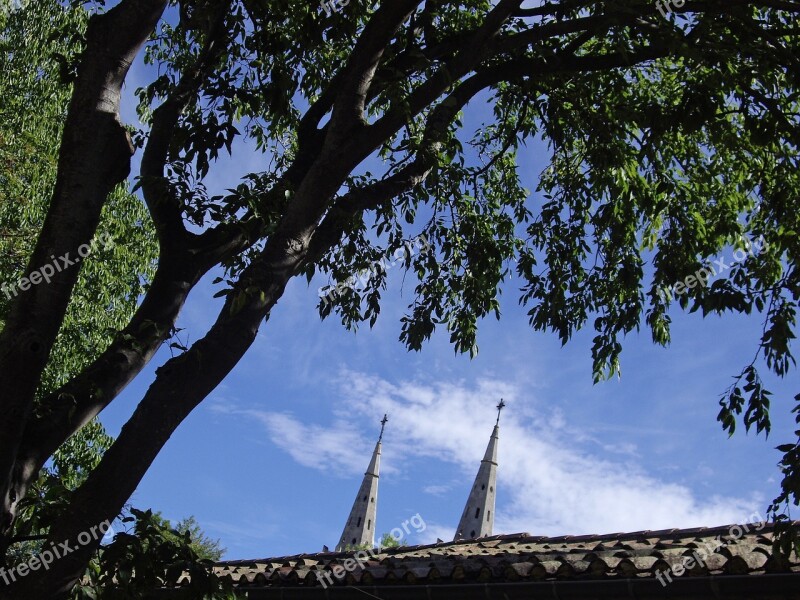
(94, 157)
(181, 384)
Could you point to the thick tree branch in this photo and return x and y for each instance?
(94, 157)
(165, 208)
(379, 193)
(469, 57)
(597, 24)
(180, 385)
(67, 409)
(409, 62)
(552, 8)
(63, 412)
(348, 108)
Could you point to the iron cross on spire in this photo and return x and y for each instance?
(499, 408)
(383, 424)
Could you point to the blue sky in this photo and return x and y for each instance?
(271, 461)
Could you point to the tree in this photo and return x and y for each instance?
(38, 44)
(151, 556)
(205, 547)
(389, 541)
(386, 541)
(38, 41)
(48, 497)
(673, 135)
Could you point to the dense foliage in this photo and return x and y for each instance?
(38, 46)
(154, 555)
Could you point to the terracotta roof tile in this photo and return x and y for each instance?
(524, 559)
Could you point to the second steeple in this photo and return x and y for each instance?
(477, 518)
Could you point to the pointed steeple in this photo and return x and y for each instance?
(478, 516)
(360, 526)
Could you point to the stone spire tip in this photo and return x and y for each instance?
(499, 408)
(383, 425)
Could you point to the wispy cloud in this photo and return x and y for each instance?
(338, 448)
(436, 490)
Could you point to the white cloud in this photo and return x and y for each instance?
(436, 490)
(339, 448)
(549, 482)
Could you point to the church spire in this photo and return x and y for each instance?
(360, 526)
(477, 518)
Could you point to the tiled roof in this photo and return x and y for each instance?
(732, 564)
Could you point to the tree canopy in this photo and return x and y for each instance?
(672, 136)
